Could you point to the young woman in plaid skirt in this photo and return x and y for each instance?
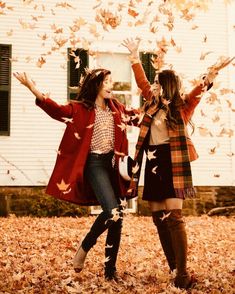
(169, 150)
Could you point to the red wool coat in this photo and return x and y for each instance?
(67, 181)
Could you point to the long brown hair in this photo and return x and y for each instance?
(171, 85)
(91, 85)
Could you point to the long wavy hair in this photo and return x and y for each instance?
(91, 85)
(171, 85)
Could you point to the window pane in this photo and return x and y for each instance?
(5, 82)
(74, 74)
(4, 114)
(119, 65)
(123, 98)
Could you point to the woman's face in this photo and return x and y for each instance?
(156, 87)
(106, 89)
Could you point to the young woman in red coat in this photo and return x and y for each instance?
(86, 169)
(164, 138)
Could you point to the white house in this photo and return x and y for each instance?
(36, 36)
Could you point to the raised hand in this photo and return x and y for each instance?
(29, 83)
(215, 68)
(223, 63)
(133, 46)
(24, 79)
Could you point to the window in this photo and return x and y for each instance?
(148, 68)
(5, 89)
(119, 65)
(74, 74)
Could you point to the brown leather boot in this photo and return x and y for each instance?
(164, 236)
(179, 241)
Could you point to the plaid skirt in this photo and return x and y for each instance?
(158, 181)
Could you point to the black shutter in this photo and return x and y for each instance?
(148, 68)
(5, 87)
(74, 74)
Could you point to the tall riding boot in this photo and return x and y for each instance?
(164, 236)
(179, 241)
(111, 249)
(102, 222)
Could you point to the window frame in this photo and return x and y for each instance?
(7, 88)
(80, 70)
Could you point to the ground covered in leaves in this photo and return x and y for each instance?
(36, 257)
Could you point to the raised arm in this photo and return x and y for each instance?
(193, 98)
(54, 110)
(140, 77)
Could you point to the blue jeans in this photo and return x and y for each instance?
(101, 176)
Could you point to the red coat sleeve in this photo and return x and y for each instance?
(54, 110)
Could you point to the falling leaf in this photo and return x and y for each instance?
(194, 27)
(77, 136)
(108, 246)
(107, 259)
(165, 216)
(135, 168)
(123, 202)
(150, 155)
(203, 131)
(40, 62)
(64, 5)
(203, 55)
(90, 126)
(62, 185)
(68, 191)
(132, 13)
(212, 150)
(122, 126)
(58, 152)
(9, 33)
(154, 170)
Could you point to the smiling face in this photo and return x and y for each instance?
(106, 89)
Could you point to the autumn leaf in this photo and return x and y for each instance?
(165, 215)
(122, 126)
(90, 126)
(154, 170)
(62, 185)
(41, 60)
(150, 155)
(67, 119)
(77, 136)
(204, 132)
(135, 168)
(132, 12)
(64, 5)
(203, 55)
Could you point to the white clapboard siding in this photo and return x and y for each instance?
(28, 154)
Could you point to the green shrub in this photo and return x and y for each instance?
(46, 206)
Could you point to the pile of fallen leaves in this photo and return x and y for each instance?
(36, 257)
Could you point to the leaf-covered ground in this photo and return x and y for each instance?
(36, 257)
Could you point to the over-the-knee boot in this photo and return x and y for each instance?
(102, 222)
(179, 242)
(111, 249)
(165, 237)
